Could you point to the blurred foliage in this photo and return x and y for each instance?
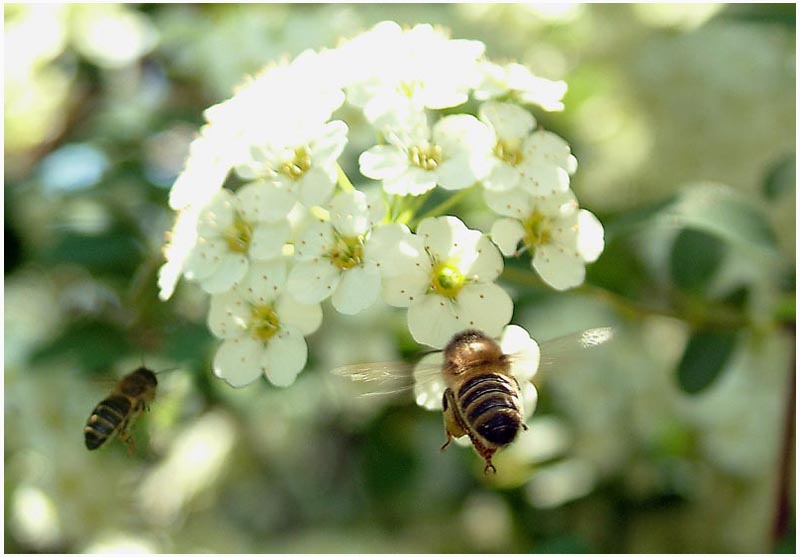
(681, 117)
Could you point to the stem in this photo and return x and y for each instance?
(451, 201)
(342, 179)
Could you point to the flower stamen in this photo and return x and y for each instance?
(299, 165)
(264, 322)
(347, 252)
(239, 234)
(508, 153)
(426, 157)
(538, 229)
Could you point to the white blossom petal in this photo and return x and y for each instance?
(559, 268)
(530, 399)
(544, 179)
(516, 203)
(205, 258)
(350, 214)
(590, 236)
(315, 186)
(317, 239)
(268, 239)
(488, 265)
(238, 361)
(511, 122)
(310, 282)
(414, 181)
(484, 306)
(506, 234)
(523, 351)
(429, 384)
(265, 281)
(358, 289)
(305, 317)
(285, 357)
(228, 315)
(230, 272)
(445, 237)
(265, 202)
(395, 249)
(405, 290)
(383, 162)
(502, 177)
(433, 321)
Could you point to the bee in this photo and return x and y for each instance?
(115, 414)
(481, 394)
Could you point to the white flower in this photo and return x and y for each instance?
(334, 257)
(263, 328)
(523, 352)
(302, 161)
(454, 155)
(445, 276)
(561, 237)
(517, 82)
(233, 229)
(410, 71)
(542, 156)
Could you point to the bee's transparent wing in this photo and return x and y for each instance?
(388, 378)
(568, 349)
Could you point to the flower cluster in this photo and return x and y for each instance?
(270, 225)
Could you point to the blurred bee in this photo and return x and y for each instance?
(114, 415)
(481, 395)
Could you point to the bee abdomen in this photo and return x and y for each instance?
(104, 421)
(491, 406)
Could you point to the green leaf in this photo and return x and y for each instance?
(781, 179)
(705, 357)
(695, 259)
(115, 251)
(723, 212)
(95, 344)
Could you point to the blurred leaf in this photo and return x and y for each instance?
(705, 356)
(781, 178)
(720, 210)
(570, 543)
(762, 13)
(619, 269)
(695, 258)
(96, 345)
(116, 251)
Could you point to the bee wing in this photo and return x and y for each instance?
(566, 349)
(387, 378)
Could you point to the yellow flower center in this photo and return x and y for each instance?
(347, 252)
(298, 166)
(509, 154)
(409, 88)
(426, 157)
(537, 229)
(446, 279)
(239, 234)
(264, 322)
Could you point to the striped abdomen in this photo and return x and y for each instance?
(106, 419)
(490, 405)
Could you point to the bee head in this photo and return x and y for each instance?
(469, 349)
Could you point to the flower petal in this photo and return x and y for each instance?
(205, 258)
(230, 272)
(329, 145)
(405, 290)
(228, 315)
(414, 181)
(310, 282)
(265, 281)
(305, 317)
(382, 162)
(506, 234)
(516, 203)
(358, 289)
(447, 237)
(510, 122)
(523, 350)
(544, 179)
(237, 361)
(590, 236)
(433, 321)
(395, 249)
(315, 187)
(317, 239)
(484, 306)
(488, 265)
(265, 202)
(559, 268)
(285, 357)
(429, 385)
(502, 177)
(530, 398)
(349, 213)
(268, 239)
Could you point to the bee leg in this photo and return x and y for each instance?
(486, 453)
(127, 438)
(453, 426)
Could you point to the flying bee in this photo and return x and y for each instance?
(116, 413)
(482, 386)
